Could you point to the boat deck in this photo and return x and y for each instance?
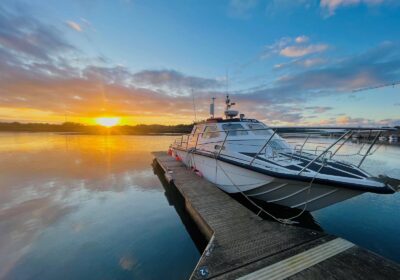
(242, 245)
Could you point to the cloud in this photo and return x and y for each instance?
(302, 39)
(301, 63)
(297, 51)
(276, 7)
(73, 25)
(330, 6)
(318, 109)
(45, 83)
(375, 66)
(289, 47)
(241, 8)
(39, 78)
(276, 47)
(174, 80)
(346, 120)
(95, 90)
(29, 38)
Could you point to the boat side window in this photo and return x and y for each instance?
(257, 126)
(211, 131)
(196, 131)
(233, 127)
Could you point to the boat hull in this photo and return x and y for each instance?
(291, 193)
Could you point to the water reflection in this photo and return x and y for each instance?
(369, 220)
(175, 199)
(72, 204)
(76, 206)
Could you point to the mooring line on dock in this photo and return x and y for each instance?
(233, 252)
(297, 263)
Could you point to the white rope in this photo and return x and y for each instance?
(262, 210)
(289, 220)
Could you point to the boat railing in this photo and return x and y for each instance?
(314, 150)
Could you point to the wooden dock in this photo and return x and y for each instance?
(244, 246)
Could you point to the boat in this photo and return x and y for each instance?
(393, 138)
(244, 155)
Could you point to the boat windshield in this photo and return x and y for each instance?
(235, 129)
(257, 126)
(211, 131)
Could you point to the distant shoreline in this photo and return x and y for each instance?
(76, 129)
(94, 134)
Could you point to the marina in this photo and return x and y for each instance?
(199, 140)
(244, 246)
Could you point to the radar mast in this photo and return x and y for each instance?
(230, 114)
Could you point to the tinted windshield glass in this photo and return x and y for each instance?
(278, 145)
(232, 127)
(257, 127)
(211, 132)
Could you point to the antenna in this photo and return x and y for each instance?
(194, 107)
(212, 107)
(227, 80)
(228, 112)
(377, 86)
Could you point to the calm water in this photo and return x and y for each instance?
(369, 220)
(87, 207)
(91, 207)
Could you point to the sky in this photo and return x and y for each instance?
(284, 62)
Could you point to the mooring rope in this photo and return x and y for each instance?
(189, 160)
(262, 210)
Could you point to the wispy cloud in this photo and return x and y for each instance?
(318, 109)
(330, 6)
(377, 65)
(296, 47)
(28, 37)
(173, 82)
(302, 39)
(37, 75)
(241, 8)
(301, 63)
(52, 87)
(346, 120)
(298, 51)
(276, 47)
(74, 25)
(327, 7)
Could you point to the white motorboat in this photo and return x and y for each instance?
(241, 155)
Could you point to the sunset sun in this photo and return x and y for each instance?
(107, 121)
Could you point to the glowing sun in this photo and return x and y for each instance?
(107, 121)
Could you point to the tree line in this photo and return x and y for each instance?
(70, 127)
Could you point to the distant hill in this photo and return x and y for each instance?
(70, 127)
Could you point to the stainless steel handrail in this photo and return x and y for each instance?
(327, 149)
(369, 149)
(348, 133)
(265, 145)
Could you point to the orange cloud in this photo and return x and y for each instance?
(73, 25)
(297, 51)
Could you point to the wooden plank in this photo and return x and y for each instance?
(240, 242)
